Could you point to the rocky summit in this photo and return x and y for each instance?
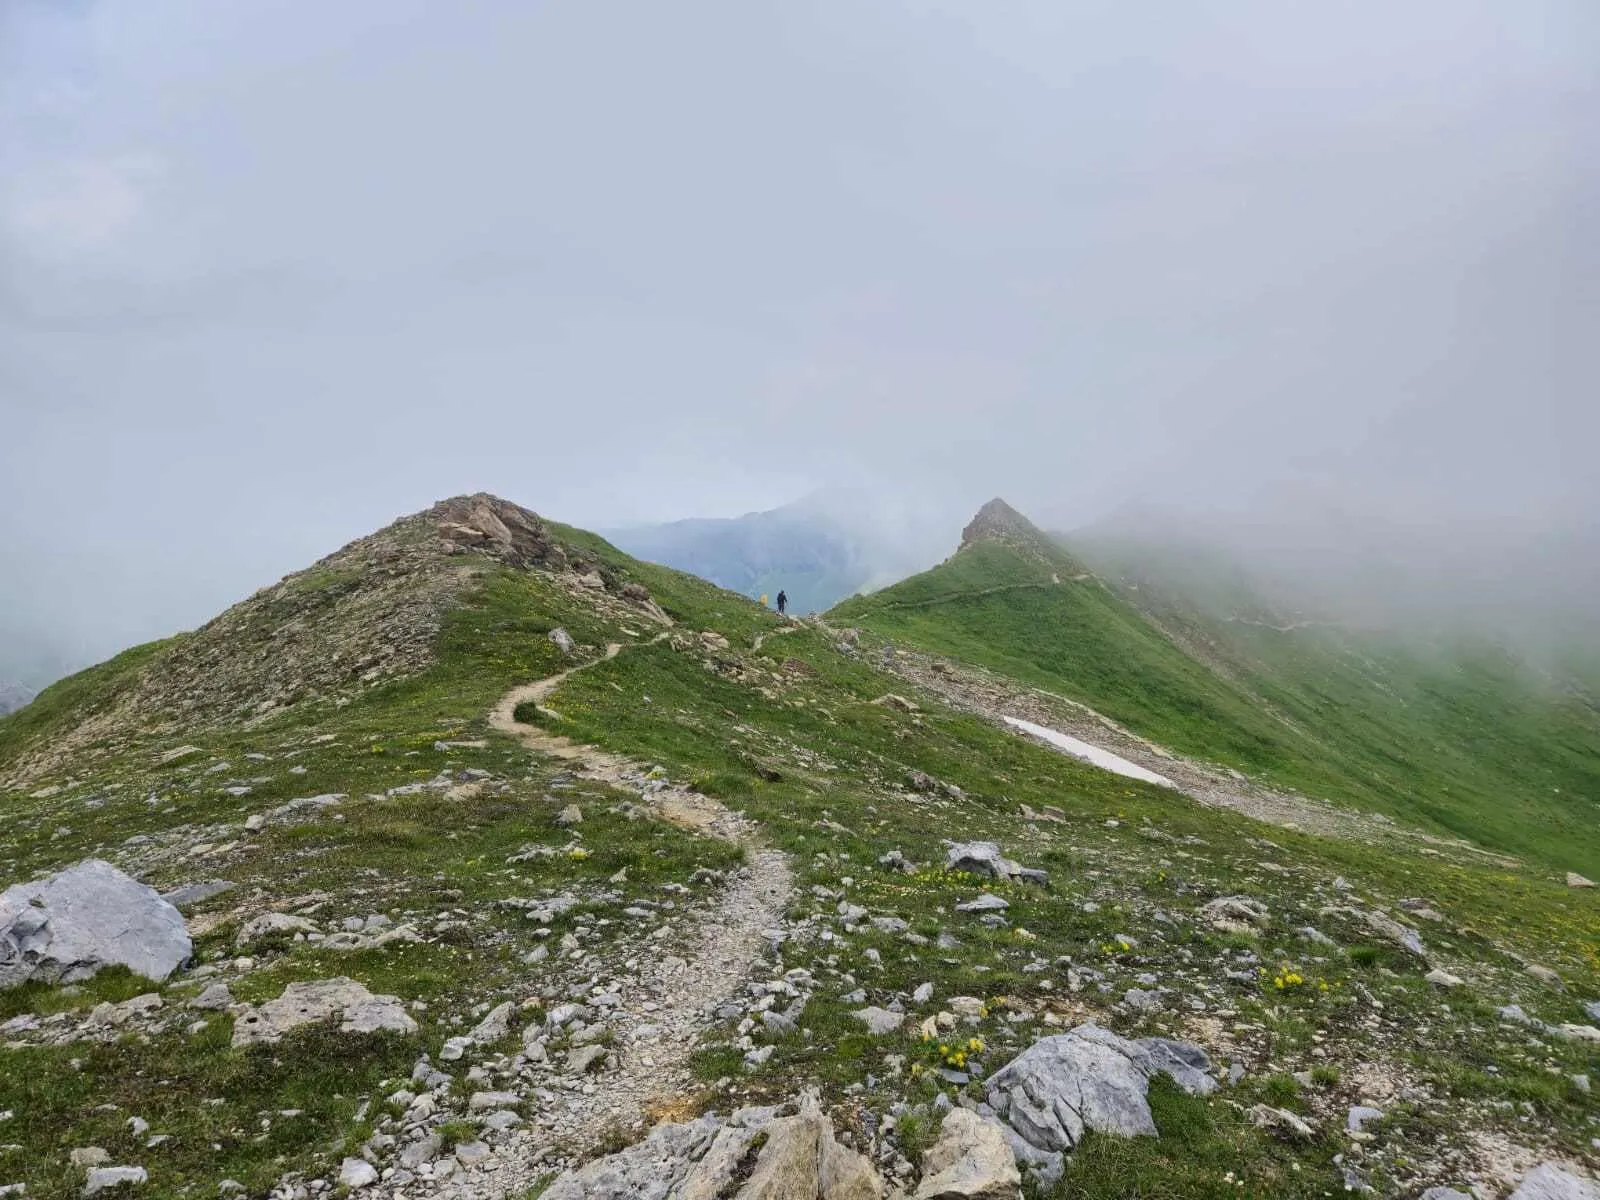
(481, 860)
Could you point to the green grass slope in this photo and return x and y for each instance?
(794, 736)
(1459, 739)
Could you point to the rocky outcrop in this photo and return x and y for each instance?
(71, 925)
(985, 858)
(366, 615)
(970, 1161)
(1061, 1087)
(357, 1010)
(506, 531)
(787, 1153)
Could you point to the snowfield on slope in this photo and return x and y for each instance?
(1089, 753)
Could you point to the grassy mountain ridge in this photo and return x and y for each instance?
(1457, 738)
(399, 797)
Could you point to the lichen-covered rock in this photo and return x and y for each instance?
(358, 1010)
(69, 926)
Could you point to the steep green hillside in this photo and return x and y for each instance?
(1459, 738)
(623, 847)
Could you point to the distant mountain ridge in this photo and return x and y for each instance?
(817, 550)
(13, 696)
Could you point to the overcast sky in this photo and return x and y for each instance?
(272, 273)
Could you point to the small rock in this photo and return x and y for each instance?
(982, 904)
(879, 1021)
(1359, 1115)
(1281, 1121)
(215, 998)
(101, 1178)
(357, 1173)
(1236, 914)
(469, 1154)
(1545, 976)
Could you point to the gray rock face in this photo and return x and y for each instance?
(984, 858)
(972, 1160)
(1549, 1182)
(1090, 1078)
(67, 927)
(320, 1000)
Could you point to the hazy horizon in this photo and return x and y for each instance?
(271, 278)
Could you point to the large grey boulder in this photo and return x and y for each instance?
(357, 1009)
(1089, 1078)
(67, 927)
(972, 1160)
(985, 858)
(1549, 1182)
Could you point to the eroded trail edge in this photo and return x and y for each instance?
(654, 1030)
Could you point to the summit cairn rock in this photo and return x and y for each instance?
(67, 927)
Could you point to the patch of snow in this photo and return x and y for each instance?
(1099, 757)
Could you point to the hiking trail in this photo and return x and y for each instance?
(653, 1031)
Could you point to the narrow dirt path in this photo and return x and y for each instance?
(675, 994)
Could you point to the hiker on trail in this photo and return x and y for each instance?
(783, 603)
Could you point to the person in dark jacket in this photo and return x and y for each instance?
(783, 603)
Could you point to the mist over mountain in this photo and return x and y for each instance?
(1531, 581)
(828, 545)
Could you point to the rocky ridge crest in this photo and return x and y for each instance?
(368, 614)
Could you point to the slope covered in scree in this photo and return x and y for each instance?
(618, 846)
(1462, 739)
(366, 615)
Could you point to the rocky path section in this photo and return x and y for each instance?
(674, 996)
